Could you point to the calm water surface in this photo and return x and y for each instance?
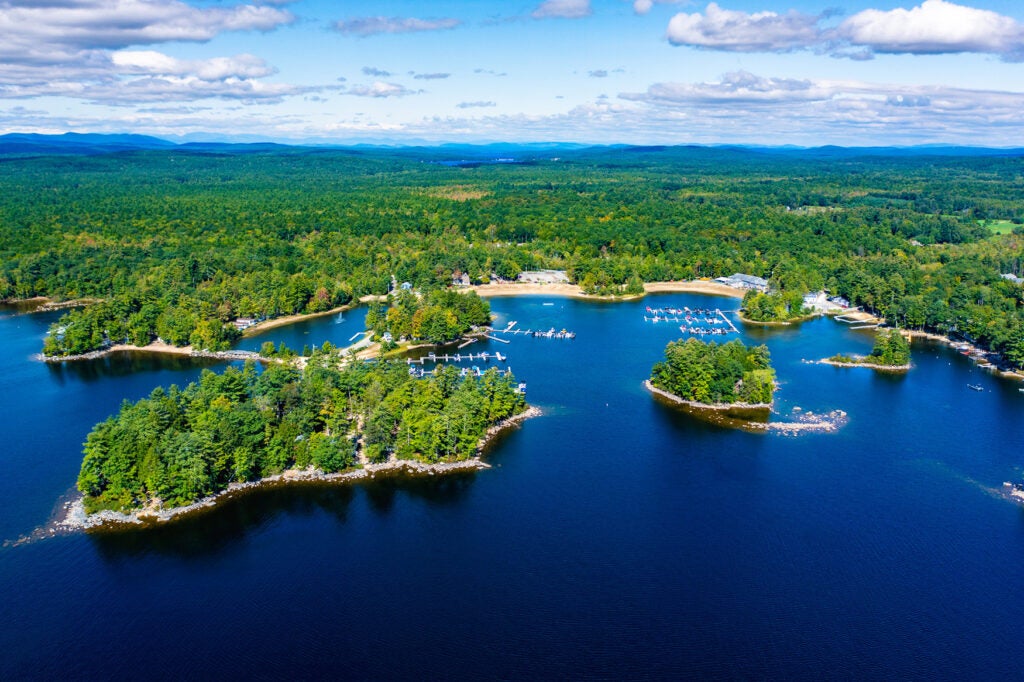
(614, 537)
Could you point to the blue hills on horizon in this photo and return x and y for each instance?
(90, 144)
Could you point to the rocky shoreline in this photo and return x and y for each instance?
(75, 517)
(867, 365)
(722, 407)
(806, 422)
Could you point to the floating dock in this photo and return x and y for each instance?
(701, 322)
(458, 357)
(535, 333)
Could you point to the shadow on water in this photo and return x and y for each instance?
(447, 490)
(224, 527)
(221, 528)
(125, 364)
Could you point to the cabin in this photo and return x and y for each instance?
(741, 281)
(543, 277)
(244, 322)
(460, 280)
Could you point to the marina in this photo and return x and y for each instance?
(698, 321)
(535, 333)
(458, 357)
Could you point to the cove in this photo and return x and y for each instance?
(614, 536)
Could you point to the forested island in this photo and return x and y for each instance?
(891, 352)
(182, 444)
(716, 375)
(182, 244)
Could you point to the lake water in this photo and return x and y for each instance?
(613, 537)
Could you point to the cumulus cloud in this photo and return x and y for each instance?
(644, 6)
(380, 89)
(370, 26)
(734, 31)
(475, 105)
(76, 48)
(742, 106)
(216, 69)
(562, 9)
(933, 27)
(48, 32)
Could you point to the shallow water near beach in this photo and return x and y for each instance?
(615, 536)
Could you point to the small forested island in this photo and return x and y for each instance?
(891, 353)
(715, 375)
(180, 445)
(436, 317)
(773, 306)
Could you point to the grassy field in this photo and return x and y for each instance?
(998, 226)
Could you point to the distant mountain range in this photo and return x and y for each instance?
(86, 144)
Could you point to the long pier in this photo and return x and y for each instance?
(419, 373)
(537, 333)
(458, 357)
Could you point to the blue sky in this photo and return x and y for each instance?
(592, 71)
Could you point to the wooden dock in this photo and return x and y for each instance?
(535, 333)
(458, 357)
(717, 322)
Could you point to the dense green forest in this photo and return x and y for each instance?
(774, 306)
(178, 243)
(178, 445)
(439, 316)
(714, 373)
(891, 349)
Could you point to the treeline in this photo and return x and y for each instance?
(179, 244)
(712, 373)
(179, 445)
(891, 349)
(774, 306)
(438, 316)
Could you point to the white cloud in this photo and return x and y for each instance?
(645, 6)
(734, 31)
(431, 76)
(934, 27)
(216, 69)
(74, 48)
(48, 32)
(562, 9)
(744, 107)
(381, 89)
(374, 71)
(370, 26)
(475, 105)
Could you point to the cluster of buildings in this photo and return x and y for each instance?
(741, 281)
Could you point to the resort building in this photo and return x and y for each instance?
(544, 277)
(741, 281)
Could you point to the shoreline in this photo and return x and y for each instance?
(866, 365)
(574, 290)
(829, 422)
(718, 407)
(76, 519)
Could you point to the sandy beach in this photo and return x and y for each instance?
(574, 291)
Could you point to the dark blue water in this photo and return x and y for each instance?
(614, 537)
